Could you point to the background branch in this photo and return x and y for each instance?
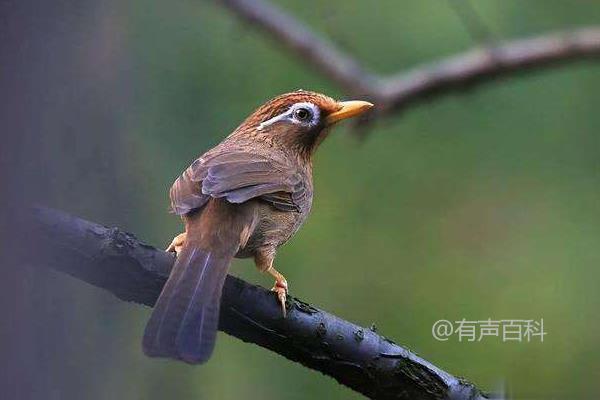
(395, 93)
(482, 65)
(356, 357)
(303, 42)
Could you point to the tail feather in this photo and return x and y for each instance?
(185, 319)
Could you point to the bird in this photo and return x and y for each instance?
(243, 198)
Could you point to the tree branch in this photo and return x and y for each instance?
(356, 357)
(482, 65)
(397, 92)
(302, 41)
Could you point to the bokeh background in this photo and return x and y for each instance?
(483, 204)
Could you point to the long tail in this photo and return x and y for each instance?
(185, 319)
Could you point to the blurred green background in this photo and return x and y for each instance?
(483, 204)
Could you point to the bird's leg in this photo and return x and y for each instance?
(264, 262)
(280, 287)
(177, 243)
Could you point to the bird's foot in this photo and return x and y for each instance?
(177, 243)
(281, 289)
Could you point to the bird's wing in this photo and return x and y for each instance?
(239, 177)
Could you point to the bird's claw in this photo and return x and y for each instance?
(280, 288)
(177, 243)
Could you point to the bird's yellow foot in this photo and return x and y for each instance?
(177, 243)
(280, 288)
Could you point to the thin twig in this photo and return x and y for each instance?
(472, 22)
(355, 356)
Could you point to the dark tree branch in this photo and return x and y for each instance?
(395, 93)
(356, 357)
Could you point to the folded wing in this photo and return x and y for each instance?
(239, 177)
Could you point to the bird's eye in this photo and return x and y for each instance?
(302, 114)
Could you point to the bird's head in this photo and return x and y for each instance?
(299, 120)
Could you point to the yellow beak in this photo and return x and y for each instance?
(348, 109)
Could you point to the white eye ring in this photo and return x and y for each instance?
(304, 113)
(291, 115)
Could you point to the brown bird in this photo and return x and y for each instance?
(243, 198)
